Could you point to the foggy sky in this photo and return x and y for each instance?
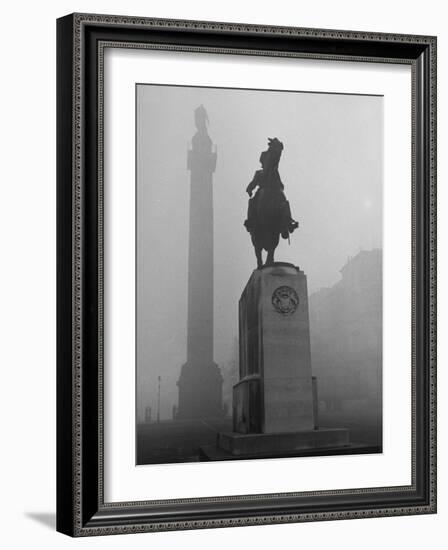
(332, 169)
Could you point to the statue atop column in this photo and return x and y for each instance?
(269, 213)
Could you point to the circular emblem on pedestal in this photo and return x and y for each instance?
(285, 300)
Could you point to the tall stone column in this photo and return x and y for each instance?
(200, 382)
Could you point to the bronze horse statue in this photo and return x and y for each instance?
(269, 213)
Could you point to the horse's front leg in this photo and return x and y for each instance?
(259, 257)
(270, 256)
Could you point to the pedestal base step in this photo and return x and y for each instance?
(277, 443)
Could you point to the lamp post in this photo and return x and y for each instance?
(158, 400)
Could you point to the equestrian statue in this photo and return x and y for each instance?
(269, 213)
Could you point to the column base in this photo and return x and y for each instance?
(200, 392)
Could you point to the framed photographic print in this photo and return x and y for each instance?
(246, 274)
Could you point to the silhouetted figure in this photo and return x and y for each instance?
(269, 213)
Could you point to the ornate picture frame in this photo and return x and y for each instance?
(81, 506)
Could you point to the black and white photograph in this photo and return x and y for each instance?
(259, 273)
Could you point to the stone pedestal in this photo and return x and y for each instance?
(275, 400)
(200, 391)
(282, 443)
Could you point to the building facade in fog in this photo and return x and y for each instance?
(346, 343)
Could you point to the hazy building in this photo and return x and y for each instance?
(346, 345)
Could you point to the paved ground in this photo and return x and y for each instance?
(362, 430)
(177, 441)
(181, 441)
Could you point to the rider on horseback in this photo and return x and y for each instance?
(269, 178)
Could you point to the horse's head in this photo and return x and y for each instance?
(270, 158)
(275, 145)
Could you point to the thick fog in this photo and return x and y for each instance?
(331, 167)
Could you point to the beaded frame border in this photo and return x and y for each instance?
(77, 230)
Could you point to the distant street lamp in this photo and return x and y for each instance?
(158, 400)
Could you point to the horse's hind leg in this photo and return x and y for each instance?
(270, 256)
(259, 257)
